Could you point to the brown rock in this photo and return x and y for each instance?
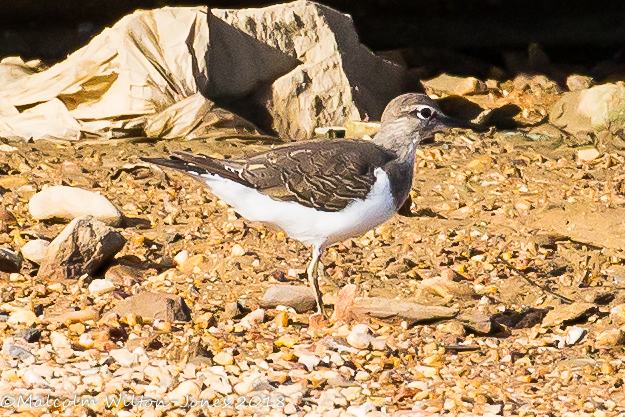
(124, 275)
(446, 85)
(345, 303)
(478, 322)
(610, 338)
(7, 220)
(299, 297)
(83, 247)
(396, 311)
(563, 314)
(577, 82)
(154, 305)
(448, 288)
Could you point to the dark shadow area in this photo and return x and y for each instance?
(231, 75)
(583, 36)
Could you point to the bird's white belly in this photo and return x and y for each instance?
(319, 228)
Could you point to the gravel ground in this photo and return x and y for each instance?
(508, 258)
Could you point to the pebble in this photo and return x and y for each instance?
(588, 154)
(253, 319)
(362, 376)
(359, 340)
(154, 305)
(16, 352)
(223, 359)
(35, 250)
(181, 258)
(82, 247)
(237, 250)
(610, 338)
(59, 341)
(309, 360)
(574, 334)
(282, 319)
(298, 297)
(86, 341)
(29, 334)
(187, 389)
(22, 316)
(124, 357)
(31, 377)
(69, 202)
(352, 393)
(101, 287)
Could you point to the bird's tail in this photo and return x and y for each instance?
(177, 163)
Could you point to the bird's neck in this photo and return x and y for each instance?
(401, 141)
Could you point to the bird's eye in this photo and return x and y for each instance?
(425, 113)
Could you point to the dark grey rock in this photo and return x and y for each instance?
(16, 352)
(9, 261)
(29, 334)
(299, 297)
(154, 305)
(83, 247)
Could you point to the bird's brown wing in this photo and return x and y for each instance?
(323, 174)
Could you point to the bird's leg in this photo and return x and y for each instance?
(322, 274)
(313, 279)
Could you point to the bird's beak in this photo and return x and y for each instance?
(444, 122)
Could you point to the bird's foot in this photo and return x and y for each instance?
(317, 321)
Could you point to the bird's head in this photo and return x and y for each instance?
(412, 117)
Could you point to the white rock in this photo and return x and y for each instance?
(94, 380)
(31, 377)
(361, 410)
(86, 341)
(223, 358)
(360, 336)
(22, 316)
(69, 203)
(253, 319)
(181, 257)
(237, 250)
(35, 250)
(574, 334)
(309, 360)
(100, 287)
(361, 328)
(59, 341)
(186, 389)
(124, 357)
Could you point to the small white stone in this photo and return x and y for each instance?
(124, 357)
(361, 410)
(22, 316)
(237, 250)
(59, 341)
(223, 359)
(255, 318)
(308, 359)
(35, 250)
(69, 203)
(181, 257)
(86, 341)
(187, 389)
(352, 393)
(574, 334)
(359, 340)
(290, 409)
(100, 287)
(31, 377)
